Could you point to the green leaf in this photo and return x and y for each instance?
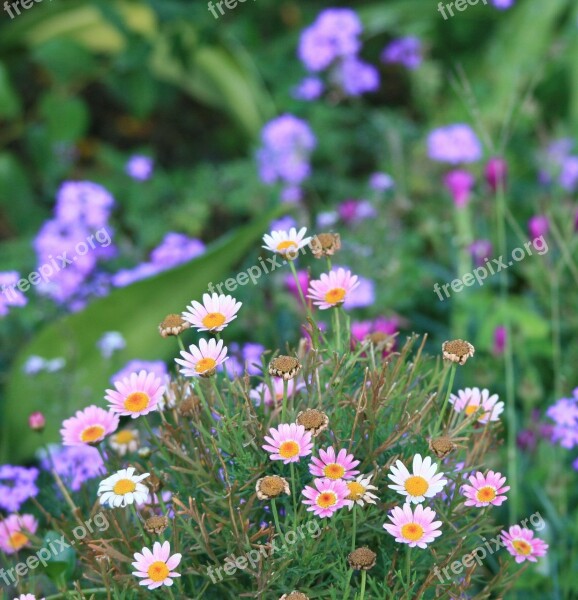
(66, 60)
(66, 117)
(62, 562)
(9, 101)
(135, 312)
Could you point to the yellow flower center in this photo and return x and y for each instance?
(486, 494)
(158, 571)
(124, 437)
(124, 486)
(289, 449)
(213, 320)
(334, 471)
(471, 409)
(286, 246)
(136, 402)
(416, 486)
(335, 296)
(327, 499)
(412, 532)
(17, 540)
(91, 434)
(205, 364)
(356, 490)
(522, 547)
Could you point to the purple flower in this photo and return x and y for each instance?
(310, 88)
(564, 413)
(284, 224)
(406, 51)
(355, 77)
(333, 35)
(538, 226)
(75, 465)
(454, 144)
(286, 144)
(499, 340)
(480, 250)
(354, 211)
(10, 295)
(110, 342)
(381, 182)
(158, 367)
(460, 184)
(495, 172)
(17, 484)
(569, 174)
(83, 203)
(363, 295)
(139, 167)
(176, 249)
(503, 4)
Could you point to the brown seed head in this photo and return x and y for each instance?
(271, 486)
(154, 483)
(294, 595)
(325, 244)
(156, 524)
(189, 407)
(313, 420)
(457, 351)
(362, 559)
(173, 325)
(442, 446)
(284, 366)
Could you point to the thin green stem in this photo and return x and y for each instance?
(87, 591)
(140, 526)
(284, 405)
(354, 527)
(337, 328)
(294, 493)
(363, 579)
(180, 343)
(446, 400)
(408, 567)
(218, 393)
(276, 515)
(298, 284)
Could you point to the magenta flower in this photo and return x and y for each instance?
(288, 443)
(326, 496)
(460, 184)
(88, 426)
(521, 543)
(15, 531)
(485, 489)
(416, 528)
(538, 226)
(156, 567)
(496, 172)
(332, 466)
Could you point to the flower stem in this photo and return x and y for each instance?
(408, 567)
(276, 515)
(363, 578)
(337, 326)
(298, 284)
(448, 393)
(354, 527)
(284, 405)
(294, 493)
(180, 342)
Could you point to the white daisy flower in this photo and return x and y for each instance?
(286, 244)
(214, 314)
(360, 491)
(123, 488)
(125, 440)
(421, 484)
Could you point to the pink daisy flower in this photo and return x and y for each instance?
(326, 497)
(157, 566)
(288, 443)
(263, 392)
(136, 395)
(216, 312)
(473, 400)
(203, 360)
(521, 543)
(332, 466)
(485, 490)
(27, 597)
(332, 289)
(88, 426)
(14, 532)
(416, 528)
